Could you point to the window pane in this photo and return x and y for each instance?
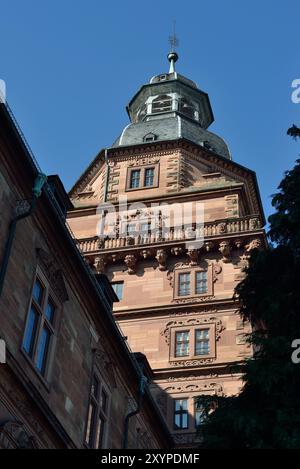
(49, 313)
(180, 404)
(118, 288)
(162, 103)
(100, 432)
(30, 333)
(184, 284)
(201, 282)
(177, 421)
(185, 420)
(135, 179)
(43, 348)
(103, 403)
(149, 177)
(182, 344)
(181, 413)
(37, 292)
(89, 438)
(202, 342)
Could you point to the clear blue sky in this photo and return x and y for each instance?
(71, 66)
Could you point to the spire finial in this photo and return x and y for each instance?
(173, 56)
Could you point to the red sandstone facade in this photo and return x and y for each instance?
(176, 301)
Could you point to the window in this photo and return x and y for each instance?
(97, 415)
(162, 103)
(40, 326)
(182, 341)
(144, 177)
(192, 341)
(135, 179)
(193, 282)
(149, 177)
(149, 137)
(201, 282)
(184, 284)
(181, 416)
(202, 342)
(118, 288)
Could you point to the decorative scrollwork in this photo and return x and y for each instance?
(166, 332)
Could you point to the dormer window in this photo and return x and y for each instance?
(150, 137)
(162, 103)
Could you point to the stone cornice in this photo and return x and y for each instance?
(158, 149)
(217, 306)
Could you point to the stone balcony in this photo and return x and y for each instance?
(222, 236)
(219, 228)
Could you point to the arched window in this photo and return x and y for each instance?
(162, 103)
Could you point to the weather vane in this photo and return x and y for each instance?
(173, 40)
(173, 56)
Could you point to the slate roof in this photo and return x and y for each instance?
(172, 127)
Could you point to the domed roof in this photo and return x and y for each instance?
(171, 128)
(171, 107)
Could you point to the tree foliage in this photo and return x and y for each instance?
(294, 131)
(266, 414)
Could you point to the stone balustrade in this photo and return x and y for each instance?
(210, 229)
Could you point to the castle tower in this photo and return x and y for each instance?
(176, 245)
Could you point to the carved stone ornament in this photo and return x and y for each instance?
(238, 243)
(212, 388)
(170, 277)
(208, 246)
(146, 253)
(254, 244)
(161, 257)
(196, 299)
(99, 264)
(54, 275)
(254, 224)
(221, 228)
(14, 436)
(23, 206)
(225, 249)
(166, 332)
(217, 269)
(26, 412)
(177, 251)
(193, 256)
(130, 261)
(143, 161)
(187, 363)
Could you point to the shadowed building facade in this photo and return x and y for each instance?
(175, 280)
(62, 383)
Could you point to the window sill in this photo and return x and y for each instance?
(133, 189)
(37, 373)
(191, 357)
